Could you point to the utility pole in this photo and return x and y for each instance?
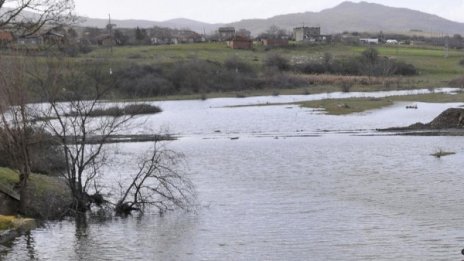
(446, 46)
(110, 31)
(110, 28)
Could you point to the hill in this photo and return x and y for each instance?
(179, 23)
(348, 16)
(361, 17)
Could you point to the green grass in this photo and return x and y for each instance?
(347, 106)
(47, 197)
(171, 53)
(351, 105)
(8, 176)
(7, 222)
(41, 183)
(434, 69)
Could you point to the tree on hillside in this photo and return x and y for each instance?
(91, 34)
(141, 35)
(120, 37)
(274, 32)
(26, 17)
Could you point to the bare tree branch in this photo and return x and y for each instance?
(26, 17)
(159, 182)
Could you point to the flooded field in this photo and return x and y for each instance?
(283, 183)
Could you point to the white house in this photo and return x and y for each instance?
(369, 40)
(392, 41)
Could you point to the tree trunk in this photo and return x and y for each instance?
(23, 183)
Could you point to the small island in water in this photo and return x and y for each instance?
(449, 123)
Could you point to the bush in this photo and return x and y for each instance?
(458, 82)
(85, 48)
(46, 156)
(346, 86)
(369, 64)
(237, 65)
(196, 76)
(133, 109)
(277, 61)
(143, 81)
(311, 68)
(405, 69)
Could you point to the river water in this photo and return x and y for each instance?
(292, 184)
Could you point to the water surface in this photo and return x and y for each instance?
(295, 185)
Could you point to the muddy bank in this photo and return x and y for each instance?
(448, 123)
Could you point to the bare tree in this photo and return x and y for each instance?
(16, 127)
(71, 95)
(28, 16)
(70, 117)
(159, 182)
(24, 17)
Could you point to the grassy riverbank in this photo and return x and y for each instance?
(48, 197)
(13, 222)
(353, 105)
(7, 222)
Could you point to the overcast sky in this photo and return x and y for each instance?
(222, 11)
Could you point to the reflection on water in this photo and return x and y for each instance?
(273, 196)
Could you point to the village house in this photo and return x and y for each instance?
(187, 36)
(163, 40)
(30, 40)
(275, 42)
(307, 34)
(53, 38)
(160, 36)
(240, 43)
(226, 33)
(48, 38)
(369, 40)
(243, 33)
(6, 38)
(105, 40)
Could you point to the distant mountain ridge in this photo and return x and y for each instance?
(347, 16)
(179, 23)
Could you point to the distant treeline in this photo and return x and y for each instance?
(198, 76)
(369, 63)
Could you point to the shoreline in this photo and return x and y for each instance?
(17, 227)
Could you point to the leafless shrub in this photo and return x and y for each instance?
(159, 182)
